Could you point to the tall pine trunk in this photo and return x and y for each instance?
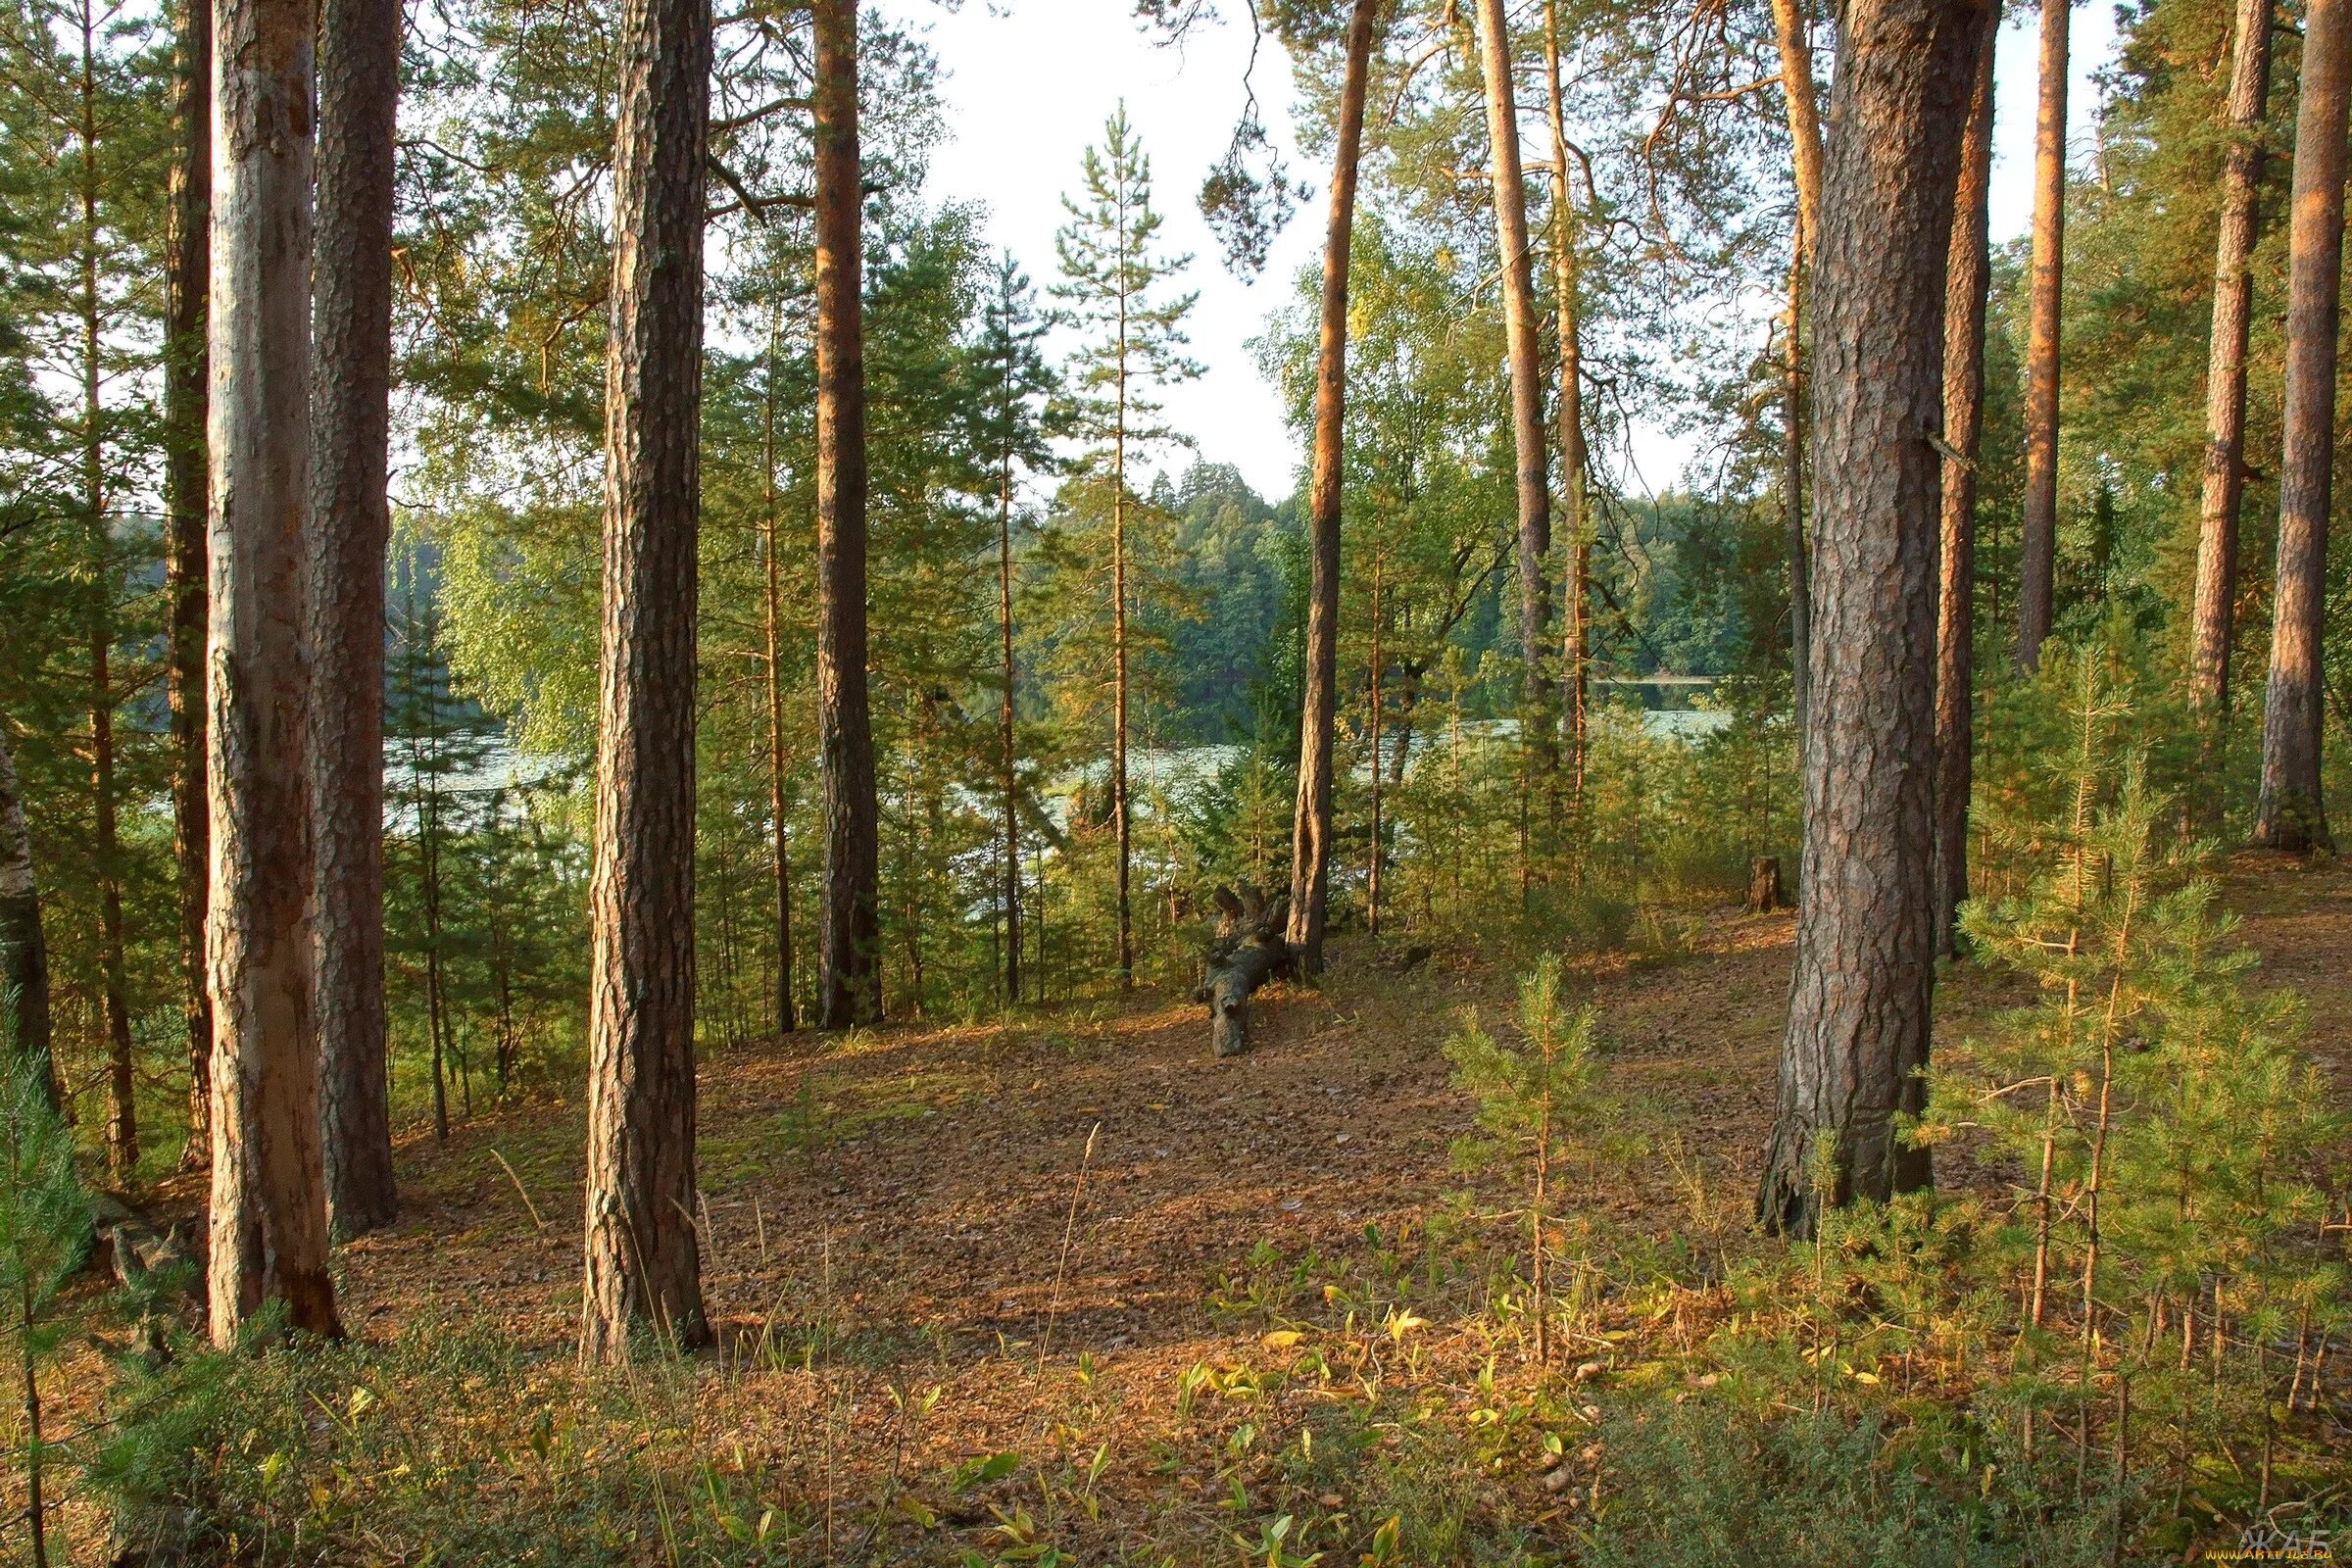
(351, 390)
(849, 986)
(1537, 742)
(1792, 29)
(1007, 756)
(2214, 621)
(24, 954)
(2289, 815)
(1121, 810)
(1968, 278)
(2037, 527)
(1857, 1030)
(1310, 834)
(1576, 587)
(187, 224)
(268, 1197)
(643, 1266)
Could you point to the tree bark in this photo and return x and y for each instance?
(2213, 626)
(2038, 529)
(350, 519)
(1858, 1015)
(24, 954)
(849, 988)
(268, 1197)
(2289, 815)
(643, 1266)
(188, 223)
(1791, 28)
(1005, 723)
(1310, 834)
(1968, 280)
(1527, 389)
(1575, 589)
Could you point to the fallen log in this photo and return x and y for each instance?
(1248, 950)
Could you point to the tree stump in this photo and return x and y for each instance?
(1248, 950)
(1764, 885)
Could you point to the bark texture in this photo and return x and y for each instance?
(269, 1198)
(2037, 527)
(351, 390)
(24, 954)
(1310, 833)
(1790, 27)
(188, 262)
(850, 981)
(1968, 280)
(1526, 378)
(1576, 587)
(2214, 621)
(643, 1269)
(1858, 1019)
(2289, 815)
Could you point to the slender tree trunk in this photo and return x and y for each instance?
(779, 846)
(351, 517)
(1968, 278)
(1372, 725)
(1537, 743)
(1310, 833)
(1006, 739)
(1792, 29)
(1858, 1014)
(269, 1198)
(849, 988)
(2289, 815)
(122, 1115)
(2037, 537)
(1121, 817)
(643, 1266)
(1575, 641)
(2214, 624)
(24, 954)
(188, 223)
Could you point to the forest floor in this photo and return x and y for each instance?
(1086, 1233)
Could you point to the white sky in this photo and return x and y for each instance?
(1029, 83)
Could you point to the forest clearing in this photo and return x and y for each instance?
(1571, 808)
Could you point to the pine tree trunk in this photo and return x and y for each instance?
(1576, 590)
(1968, 280)
(1527, 389)
(643, 1267)
(2289, 815)
(779, 846)
(24, 954)
(1121, 818)
(848, 988)
(2037, 536)
(351, 389)
(1790, 27)
(187, 260)
(1310, 834)
(1858, 1015)
(269, 1198)
(2214, 621)
(1006, 738)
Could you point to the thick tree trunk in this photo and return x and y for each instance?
(1791, 28)
(643, 1267)
(2038, 528)
(268, 1200)
(849, 986)
(1006, 738)
(2214, 622)
(1576, 587)
(780, 848)
(24, 954)
(2289, 815)
(1310, 833)
(1527, 386)
(1858, 1019)
(187, 260)
(351, 390)
(1968, 278)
